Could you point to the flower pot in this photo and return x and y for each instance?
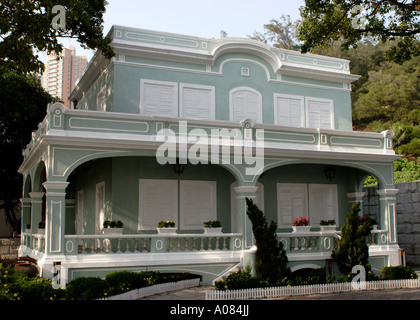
(112, 230)
(332, 227)
(375, 227)
(213, 230)
(166, 230)
(297, 229)
(41, 231)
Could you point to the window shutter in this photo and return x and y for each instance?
(322, 202)
(158, 200)
(320, 114)
(245, 104)
(291, 202)
(289, 112)
(197, 103)
(159, 99)
(198, 203)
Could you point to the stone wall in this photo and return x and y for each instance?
(408, 216)
(9, 248)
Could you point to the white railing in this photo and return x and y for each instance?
(148, 243)
(278, 292)
(156, 289)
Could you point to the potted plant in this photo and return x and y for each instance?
(301, 224)
(165, 227)
(28, 228)
(212, 226)
(328, 225)
(41, 227)
(112, 227)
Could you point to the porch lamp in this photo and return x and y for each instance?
(178, 167)
(330, 173)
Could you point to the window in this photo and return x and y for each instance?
(323, 202)
(319, 113)
(245, 103)
(292, 202)
(101, 101)
(158, 200)
(158, 98)
(288, 110)
(100, 206)
(197, 203)
(197, 102)
(315, 201)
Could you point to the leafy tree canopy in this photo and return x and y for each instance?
(325, 21)
(26, 26)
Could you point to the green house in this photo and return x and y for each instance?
(179, 128)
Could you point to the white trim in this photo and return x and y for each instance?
(212, 90)
(55, 214)
(99, 207)
(101, 100)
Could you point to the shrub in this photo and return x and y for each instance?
(270, 258)
(88, 288)
(398, 272)
(122, 281)
(240, 280)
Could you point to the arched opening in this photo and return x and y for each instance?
(138, 191)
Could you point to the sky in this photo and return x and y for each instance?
(238, 18)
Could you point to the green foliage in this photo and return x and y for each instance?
(325, 21)
(88, 288)
(398, 272)
(212, 224)
(307, 277)
(26, 27)
(240, 280)
(18, 286)
(405, 170)
(122, 281)
(270, 258)
(352, 247)
(113, 224)
(20, 114)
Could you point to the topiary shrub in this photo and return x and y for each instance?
(397, 273)
(88, 288)
(352, 247)
(270, 258)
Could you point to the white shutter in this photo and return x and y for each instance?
(245, 103)
(158, 200)
(322, 202)
(288, 111)
(197, 102)
(159, 98)
(320, 113)
(291, 203)
(198, 203)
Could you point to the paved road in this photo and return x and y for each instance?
(199, 293)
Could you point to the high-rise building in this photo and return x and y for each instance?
(62, 72)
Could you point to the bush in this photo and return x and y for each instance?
(122, 281)
(398, 272)
(240, 280)
(88, 288)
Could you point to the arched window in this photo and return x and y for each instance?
(245, 103)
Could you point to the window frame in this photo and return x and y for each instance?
(290, 97)
(212, 90)
(259, 101)
(174, 85)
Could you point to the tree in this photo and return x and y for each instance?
(28, 26)
(279, 33)
(325, 21)
(23, 104)
(270, 259)
(352, 247)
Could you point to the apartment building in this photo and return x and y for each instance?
(62, 73)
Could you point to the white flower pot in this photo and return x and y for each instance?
(297, 229)
(112, 230)
(329, 228)
(41, 231)
(166, 230)
(213, 230)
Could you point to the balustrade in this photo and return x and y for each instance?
(148, 243)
